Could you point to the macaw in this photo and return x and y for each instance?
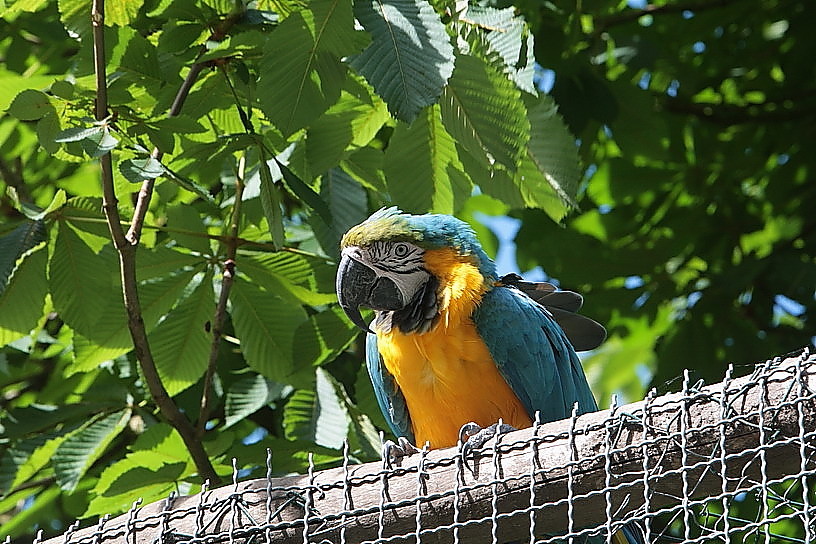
(453, 344)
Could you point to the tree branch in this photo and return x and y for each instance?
(127, 264)
(231, 240)
(604, 23)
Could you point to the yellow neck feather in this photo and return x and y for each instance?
(461, 284)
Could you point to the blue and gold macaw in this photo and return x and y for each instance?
(453, 343)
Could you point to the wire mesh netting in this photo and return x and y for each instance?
(730, 462)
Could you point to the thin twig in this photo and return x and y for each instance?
(604, 23)
(127, 265)
(231, 240)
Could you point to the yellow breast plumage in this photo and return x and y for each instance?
(447, 374)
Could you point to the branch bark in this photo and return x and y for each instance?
(231, 240)
(126, 246)
(595, 471)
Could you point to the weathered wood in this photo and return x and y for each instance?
(604, 452)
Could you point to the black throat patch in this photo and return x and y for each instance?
(418, 316)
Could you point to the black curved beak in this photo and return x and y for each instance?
(358, 285)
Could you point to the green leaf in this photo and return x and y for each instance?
(353, 121)
(76, 134)
(301, 72)
(304, 192)
(288, 275)
(84, 446)
(266, 324)
(323, 337)
(348, 205)
(23, 298)
(484, 113)
(318, 416)
(98, 143)
(14, 83)
(110, 337)
(121, 12)
(510, 38)
(245, 397)
(419, 162)
(37, 458)
(410, 57)
(550, 173)
(139, 170)
(14, 244)
(271, 200)
(181, 342)
(31, 105)
(82, 282)
(159, 460)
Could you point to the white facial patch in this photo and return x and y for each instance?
(401, 262)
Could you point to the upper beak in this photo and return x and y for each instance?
(359, 285)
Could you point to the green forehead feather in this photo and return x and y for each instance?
(387, 224)
(429, 231)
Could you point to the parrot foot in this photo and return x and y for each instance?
(472, 437)
(392, 453)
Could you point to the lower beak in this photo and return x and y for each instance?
(359, 285)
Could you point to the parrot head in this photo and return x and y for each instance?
(384, 266)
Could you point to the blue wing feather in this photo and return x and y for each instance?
(389, 397)
(533, 354)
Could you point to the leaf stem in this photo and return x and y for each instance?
(126, 247)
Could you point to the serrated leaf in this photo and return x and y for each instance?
(38, 452)
(14, 244)
(318, 416)
(352, 121)
(484, 113)
(181, 343)
(162, 453)
(80, 280)
(271, 201)
(510, 38)
(245, 397)
(76, 134)
(324, 336)
(418, 165)
(139, 170)
(84, 446)
(304, 192)
(348, 205)
(265, 324)
(410, 57)
(288, 275)
(23, 298)
(301, 72)
(111, 338)
(31, 105)
(550, 173)
(98, 143)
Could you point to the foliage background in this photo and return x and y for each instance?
(691, 230)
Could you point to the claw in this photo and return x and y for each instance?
(472, 437)
(392, 453)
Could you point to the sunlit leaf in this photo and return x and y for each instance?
(84, 446)
(410, 57)
(484, 113)
(419, 163)
(301, 72)
(139, 170)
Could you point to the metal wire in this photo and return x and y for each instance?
(731, 462)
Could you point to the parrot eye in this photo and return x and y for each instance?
(401, 250)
